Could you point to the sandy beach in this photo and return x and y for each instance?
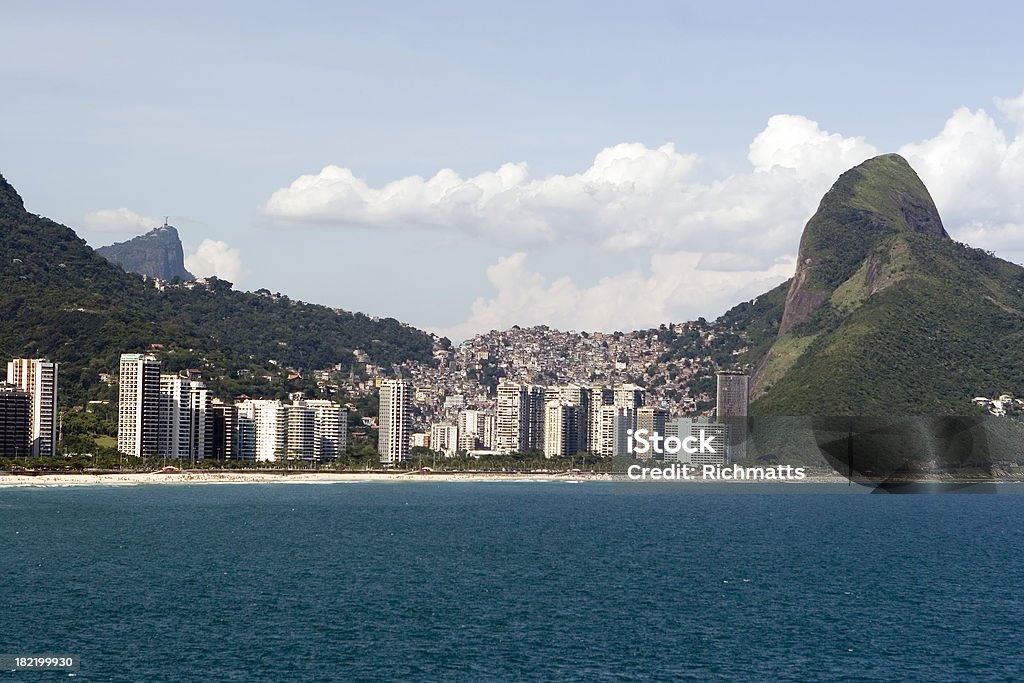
(208, 477)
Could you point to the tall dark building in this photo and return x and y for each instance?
(15, 421)
(733, 396)
(225, 420)
(731, 409)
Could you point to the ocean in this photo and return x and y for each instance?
(513, 581)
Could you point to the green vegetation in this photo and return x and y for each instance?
(61, 300)
(912, 324)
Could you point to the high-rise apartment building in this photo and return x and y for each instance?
(444, 438)
(581, 398)
(520, 420)
(628, 396)
(612, 430)
(317, 430)
(731, 410)
(393, 420)
(185, 419)
(599, 398)
(15, 421)
(561, 429)
(476, 430)
(138, 405)
(733, 395)
(224, 427)
(654, 421)
(269, 420)
(38, 378)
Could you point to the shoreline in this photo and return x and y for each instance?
(338, 477)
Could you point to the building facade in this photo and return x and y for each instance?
(15, 421)
(138, 405)
(38, 378)
(394, 421)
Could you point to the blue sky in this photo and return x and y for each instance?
(660, 158)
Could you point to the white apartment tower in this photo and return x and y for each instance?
(520, 421)
(561, 429)
(612, 430)
(444, 438)
(476, 430)
(393, 419)
(580, 397)
(317, 430)
(38, 378)
(138, 404)
(185, 419)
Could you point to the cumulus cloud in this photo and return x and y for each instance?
(118, 220)
(718, 240)
(216, 258)
(631, 196)
(974, 172)
(672, 288)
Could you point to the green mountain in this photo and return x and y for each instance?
(61, 300)
(157, 254)
(886, 314)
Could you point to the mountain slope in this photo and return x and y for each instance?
(886, 314)
(157, 254)
(60, 299)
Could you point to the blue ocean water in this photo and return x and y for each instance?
(513, 581)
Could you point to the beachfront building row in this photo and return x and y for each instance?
(168, 416)
(36, 380)
(563, 420)
(306, 429)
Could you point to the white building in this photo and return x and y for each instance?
(185, 418)
(682, 427)
(317, 430)
(561, 429)
(444, 438)
(520, 420)
(394, 421)
(38, 378)
(269, 428)
(138, 404)
(476, 430)
(612, 430)
(579, 397)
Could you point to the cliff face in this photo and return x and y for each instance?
(157, 254)
(877, 199)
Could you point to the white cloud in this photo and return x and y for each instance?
(1013, 107)
(631, 196)
(718, 241)
(975, 172)
(214, 257)
(673, 288)
(118, 220)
